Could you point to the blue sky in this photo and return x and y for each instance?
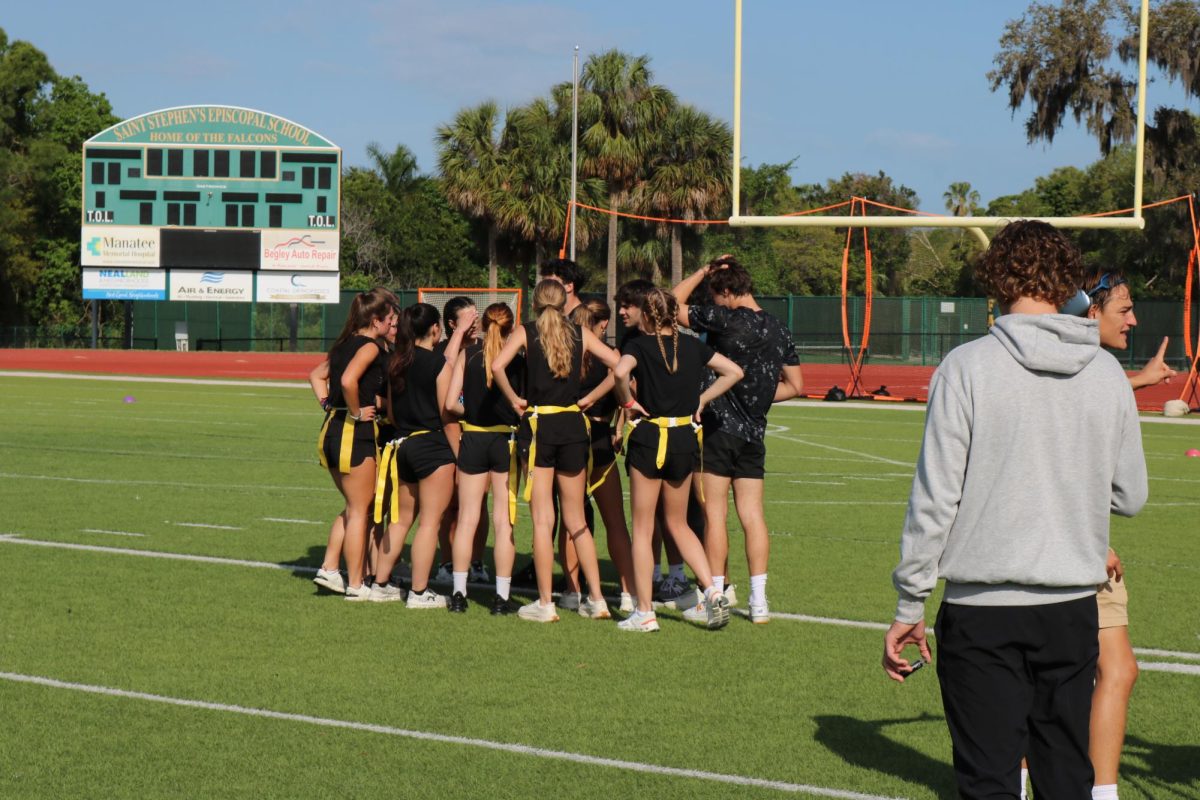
(861, 86)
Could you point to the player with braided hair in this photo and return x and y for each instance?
(662, 443)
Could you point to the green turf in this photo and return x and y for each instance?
(798, 702)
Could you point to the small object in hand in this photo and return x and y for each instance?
(914, 666)
(130, 399)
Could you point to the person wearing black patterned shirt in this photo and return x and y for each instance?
(735, 424)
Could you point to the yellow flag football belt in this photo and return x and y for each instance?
(544, 411)
(514, 475)
(388, 476)
(347, 441)
(663, 424)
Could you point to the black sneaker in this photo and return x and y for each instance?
(457, 604)
(502, 607)
(526, 577)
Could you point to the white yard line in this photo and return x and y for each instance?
(81, 376)
(441, 738)
(171, 484)
(202, 525)
(293, 521)
(111, 533)
(859, 453)
(16, 538)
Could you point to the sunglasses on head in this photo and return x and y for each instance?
(1108, 282)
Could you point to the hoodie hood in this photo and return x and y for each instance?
(1056, 343)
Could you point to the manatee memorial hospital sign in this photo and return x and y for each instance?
(210, 203)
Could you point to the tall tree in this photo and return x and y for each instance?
(470, 161)
(961, 199)
(398, 169)
(689, 174)
(620, 110)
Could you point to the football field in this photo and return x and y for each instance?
(160, 635)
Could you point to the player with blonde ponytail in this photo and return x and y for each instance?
(553, 415)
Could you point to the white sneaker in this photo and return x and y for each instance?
(330, 579)
(696, 613)
(639, 622)
(718, 610)
(426, 599)
(356, 593)
(536, 612)
(385, 593)
(594, 609)
(478, 573)
(569, 601)
(628, 604)
(760, 614)
(730, 593)
(445, 574)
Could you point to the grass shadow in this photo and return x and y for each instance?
(861, 743)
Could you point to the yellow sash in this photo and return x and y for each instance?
(347, 444)
(663, 423)
(537, 411)
(514, 475)
(389, 473)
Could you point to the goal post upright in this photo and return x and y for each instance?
(1134, 222)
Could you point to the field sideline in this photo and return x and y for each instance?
(166, 640)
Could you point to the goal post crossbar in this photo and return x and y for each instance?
(847, 221)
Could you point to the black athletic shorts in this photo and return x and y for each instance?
(602, 448)
(482, 451)
(676, 466)
(562, 442)
(420, 456)
(362, 446)
(730, 457)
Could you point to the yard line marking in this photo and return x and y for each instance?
(202, 525)
(281, 384)
(16, 538)
(441, 738)
(839, 502)
(859, 453)
(293, 521)
(821, 483)
(173, 484)
(1155, 666)
(114, 533)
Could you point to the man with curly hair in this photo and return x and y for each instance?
(1031, 441)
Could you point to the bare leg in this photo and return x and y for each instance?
(337, 534)
(568, 559)
(612, 511)
(481, 529)
(392, 544)
(1116, 672)
(675, 501)
(471, 489)
(571, 491)
(435, 493)
(716, 512)
(748, 499)
(643, 494)
(358, 487)
(505, 551)
(542, 510)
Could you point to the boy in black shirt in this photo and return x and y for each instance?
(735, 424)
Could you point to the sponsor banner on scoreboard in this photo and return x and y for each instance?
(230, 287)
(124, 284)
(118, 246)
(299, 250)
(296, 287)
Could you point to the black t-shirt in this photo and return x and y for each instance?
(542, 387)
(486, 406)
(666, 394)
(596, 375)
(370, 383)
(416, 408)
(758, 343)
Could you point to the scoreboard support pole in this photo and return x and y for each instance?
(95, 323)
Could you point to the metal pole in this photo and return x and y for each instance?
(574, 146)
(95, 323)
(737, 107)
(1143, 35)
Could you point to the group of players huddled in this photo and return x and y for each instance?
(419, 429)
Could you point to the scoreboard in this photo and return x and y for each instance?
(211, 196)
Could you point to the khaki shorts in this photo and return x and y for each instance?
(1112, 601)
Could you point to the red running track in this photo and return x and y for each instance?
(901, 381)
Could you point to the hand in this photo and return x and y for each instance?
(520, 405)
(1113, 566)
(699, 412)
(618, 441)
(585, 402)
(366, 413)
(466, 319)
(324, 402)
(1156, 370)
(895, 640)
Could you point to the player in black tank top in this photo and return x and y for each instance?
(347, 386)
(418, 465)
(485, 457)
(560, 443)
(662, 447)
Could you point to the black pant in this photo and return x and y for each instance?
(1017, 681)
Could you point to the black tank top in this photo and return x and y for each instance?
(486, 406)
(416, 408)
(370, 383)
(542, 388)
(596, 375)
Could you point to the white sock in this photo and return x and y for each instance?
(1106, 792)
(657, 576)
(502, 586)
(719, 582)
(460, 582)
(758, 589)
(676, 573)
(1024, 783)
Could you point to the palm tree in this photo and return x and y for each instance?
(689, 174)
(961, 199)
(470, 160)
(398, 169)
(619, 112)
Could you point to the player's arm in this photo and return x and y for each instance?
(444, 379)
(684, 289)
(453, 402)
(354, 370)
(1156, 370)
(728, 373)
(515, 343)
(464, 325)
(318, 379)
(624, 369)
(791, 383)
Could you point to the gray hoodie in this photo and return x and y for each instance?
(1031, 440)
